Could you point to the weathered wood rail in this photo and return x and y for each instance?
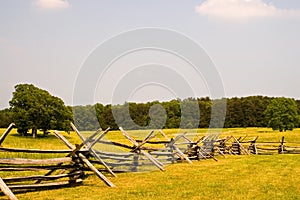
(39, 151)
(141, 155)
(271, 147)
(67, 169)
(72, 174)
(237, 146)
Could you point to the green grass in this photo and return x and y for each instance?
(236, 177)
(233, 177)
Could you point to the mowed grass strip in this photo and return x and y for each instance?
(233, 177)
(236, 177)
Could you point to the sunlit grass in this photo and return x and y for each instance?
(236, 177)
(233, 177)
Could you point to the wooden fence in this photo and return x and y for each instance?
(63, 168)
(203, 149)
(67, 167)
(280, 147)
(136, 154)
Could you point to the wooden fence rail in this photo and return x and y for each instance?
(70, 167)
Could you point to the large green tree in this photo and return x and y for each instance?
(34, 108)
(282, 114)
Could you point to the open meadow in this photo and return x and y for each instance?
(233, 177)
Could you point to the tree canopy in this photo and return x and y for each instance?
(282, 114)
(240, 112)
(34, 108)
(5, 117)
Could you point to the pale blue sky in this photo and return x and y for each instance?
(254, 44)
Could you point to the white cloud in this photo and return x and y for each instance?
(52, 4)
(242, 9)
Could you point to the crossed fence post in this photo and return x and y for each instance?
(84, 159)
(137, 147)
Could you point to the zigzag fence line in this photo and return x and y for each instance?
(98, 154)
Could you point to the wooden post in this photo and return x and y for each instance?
(173, 146)
(236, 148)
(135, 162)
(89, 146)
(171, 150)
(221, 147)
(76, 131)
(5, 189)
(252, 148)
(199, 154)
(182, 155)
(163, 134)
(78, 147)
(241, 146)
(149, 137)
(85, 160)
(99, 138)
(281, 149)
(11, 126)
(152, 159)
(94, 153)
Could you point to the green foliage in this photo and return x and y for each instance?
(240, 112)
(189, 113)
(246, 111)
(282, 114)
(205, 112)
(298, 105)
(217, 113)
(5, 118)
(105, 116)
(34, 108)
(173, 112)
(85, 118)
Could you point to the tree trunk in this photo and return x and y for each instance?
(45, 132)
(34, 132)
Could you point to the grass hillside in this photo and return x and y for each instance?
(233, 177)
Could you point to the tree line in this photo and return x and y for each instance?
(240, 112)
(32, 108)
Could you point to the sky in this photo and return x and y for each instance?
(253, 44)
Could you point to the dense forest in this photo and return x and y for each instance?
(240, 112)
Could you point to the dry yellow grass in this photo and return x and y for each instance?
(234, 177)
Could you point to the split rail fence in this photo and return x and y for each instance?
(57, 168)
(99, 154)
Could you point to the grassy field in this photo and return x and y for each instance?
(233, 177)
